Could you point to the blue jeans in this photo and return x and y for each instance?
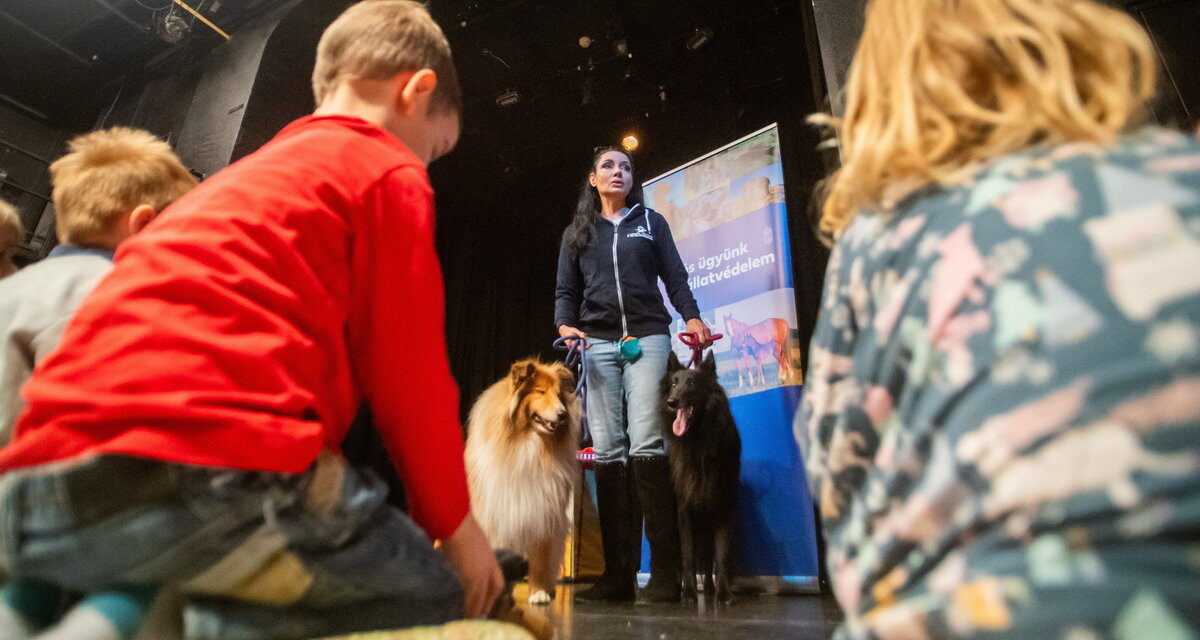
(622, 399)
(257, 555)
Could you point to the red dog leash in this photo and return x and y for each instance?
(692, 340)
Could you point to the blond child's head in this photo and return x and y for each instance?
(391, 54)
(937, 86)
(112, 183)
(10, 238)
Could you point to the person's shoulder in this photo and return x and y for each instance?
(57, 269)
(655, 219)
(344, 148)
(53, 282)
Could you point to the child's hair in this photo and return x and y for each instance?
(938, 85)
(10, 227)
(377, 39)
(109, 173)
(10, 236)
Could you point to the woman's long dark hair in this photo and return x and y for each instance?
(587, 209)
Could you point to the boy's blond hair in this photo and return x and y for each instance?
(937, 86)
(10, 223)
(377, 39)
(10, 238)
(109, 173)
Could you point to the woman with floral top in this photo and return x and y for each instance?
(1002, 416)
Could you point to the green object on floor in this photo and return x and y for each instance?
(464, 630)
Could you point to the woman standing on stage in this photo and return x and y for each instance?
(613, 254)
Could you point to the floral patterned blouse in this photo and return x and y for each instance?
(1002, 418)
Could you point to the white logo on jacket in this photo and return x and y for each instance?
(641, 232)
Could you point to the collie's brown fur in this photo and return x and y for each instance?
(521, 440)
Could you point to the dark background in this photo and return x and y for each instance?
(506, 193)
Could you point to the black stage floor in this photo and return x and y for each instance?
(752, 617)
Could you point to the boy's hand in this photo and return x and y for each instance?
(468, 550)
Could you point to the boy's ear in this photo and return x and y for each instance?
(141, 216)
(415, 90)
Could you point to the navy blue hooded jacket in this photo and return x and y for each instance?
(609, 290)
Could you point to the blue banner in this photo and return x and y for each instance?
(729, 220)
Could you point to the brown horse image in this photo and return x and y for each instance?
(753, 343)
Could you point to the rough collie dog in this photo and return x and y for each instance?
(521, 439)
(705, 454)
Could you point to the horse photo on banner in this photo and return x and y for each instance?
(728, 215)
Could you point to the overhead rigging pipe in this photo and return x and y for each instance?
(202, 18)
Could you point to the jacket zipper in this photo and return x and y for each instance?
(617, 277)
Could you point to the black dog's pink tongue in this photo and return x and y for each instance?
(681, 421)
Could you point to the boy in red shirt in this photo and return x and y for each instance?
(186, 431)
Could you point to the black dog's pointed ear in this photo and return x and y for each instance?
(673, 364)
(710, 363)
(522, 371)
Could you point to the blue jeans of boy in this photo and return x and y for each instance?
(258, 555)
(622, 399)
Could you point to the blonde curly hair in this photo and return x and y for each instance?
(107, 173)
(937, 86)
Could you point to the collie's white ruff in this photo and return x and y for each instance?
(521, 480)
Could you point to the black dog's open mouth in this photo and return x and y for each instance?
(681, 420)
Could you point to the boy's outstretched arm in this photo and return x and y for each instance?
(397, 336)
(468, 550)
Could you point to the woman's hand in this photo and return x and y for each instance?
(565, 331)
(697, 326)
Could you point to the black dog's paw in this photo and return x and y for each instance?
(688, 595)
(514, 566)
(725, 596)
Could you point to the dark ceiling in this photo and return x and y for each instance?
(60, 55)
(63, 58)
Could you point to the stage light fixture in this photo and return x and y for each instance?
(171, 27)
(629, 142)
(585, 42)
(508, 98)
(699, 38)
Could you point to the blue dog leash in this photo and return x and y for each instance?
(576, 361)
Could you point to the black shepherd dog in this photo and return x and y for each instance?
(705, 453)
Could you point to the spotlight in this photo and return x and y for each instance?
(508, 98)
(171, 27)
(621, 47)
(585, 42)
(629, 142)
(699, 38)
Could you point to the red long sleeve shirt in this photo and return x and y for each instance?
(242, 328)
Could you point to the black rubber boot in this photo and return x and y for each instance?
(620, 533)
(656, 493)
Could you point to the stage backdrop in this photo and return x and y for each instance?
(728, 216)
